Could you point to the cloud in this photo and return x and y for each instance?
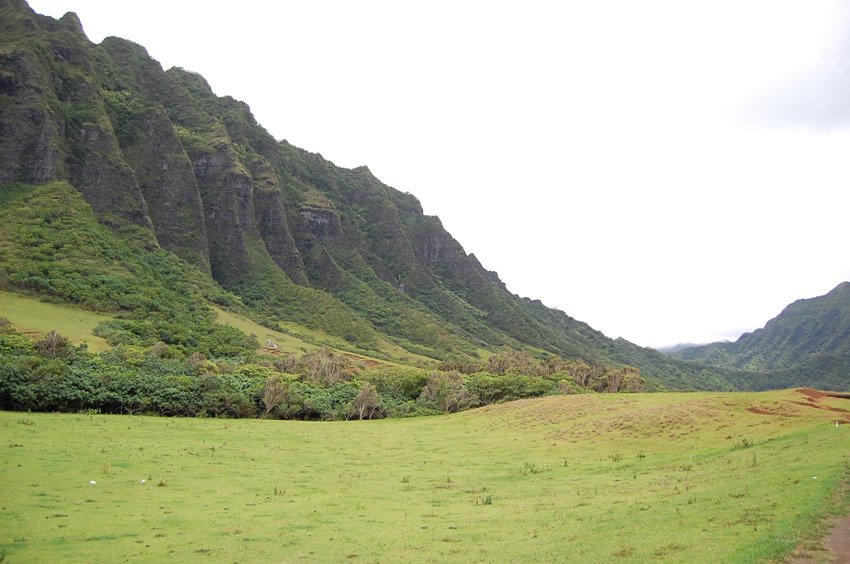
(817, 96)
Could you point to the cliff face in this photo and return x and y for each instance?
(166, 162)
(32, 132)
(167, 181)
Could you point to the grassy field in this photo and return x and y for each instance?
(706, 477)
(36, 318)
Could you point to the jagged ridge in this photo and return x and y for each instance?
(167, 163)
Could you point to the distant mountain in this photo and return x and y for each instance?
(677, 347)
(191, 187)
(808, 343)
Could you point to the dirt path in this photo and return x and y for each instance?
(835, 547)
(838, 541)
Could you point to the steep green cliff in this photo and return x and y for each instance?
(166, 164)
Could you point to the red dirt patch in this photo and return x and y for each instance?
(775, 410)
(838, 541)
(781, 408)
(811, 393)
(812, 400)
(370, 363)
(822, 406)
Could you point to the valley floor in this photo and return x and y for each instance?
(665, 477)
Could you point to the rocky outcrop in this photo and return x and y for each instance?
(321, 223)
(98, 170)
(270, 213)
(30, 129)
(56, 125)
(167, 182)
(227, 192)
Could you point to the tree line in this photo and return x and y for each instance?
(50, 374)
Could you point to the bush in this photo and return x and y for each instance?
(16, 391)
(13, 344)
(489, 388)
(161, 378)
(326, 367)
(398, 382)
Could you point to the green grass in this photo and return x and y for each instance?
(35, 318)
(285, 342)
(294, 340)
(671, 477)
(393, 352)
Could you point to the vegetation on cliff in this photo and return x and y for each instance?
(136, 190)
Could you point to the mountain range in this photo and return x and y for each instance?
(127, 186)
(808, 342)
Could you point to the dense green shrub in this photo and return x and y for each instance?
(401, 383)
(163, 379)
(16, 391)
(490, 388)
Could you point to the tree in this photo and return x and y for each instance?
(632, 380)
(447, 390)
(582, 373)
(514, 362)
(274, 393)
(325, 367)
(367, 401)
(53, 345)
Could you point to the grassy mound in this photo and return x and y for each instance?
(673, 477)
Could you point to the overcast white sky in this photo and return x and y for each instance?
(666, 171)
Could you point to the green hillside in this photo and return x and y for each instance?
(809, 341)
(173, 181)
(53, 245)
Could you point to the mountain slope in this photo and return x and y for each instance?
(809, 341)
(166, 164)
(52, 244)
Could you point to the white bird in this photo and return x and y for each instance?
(142, 481)
(92, 482)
